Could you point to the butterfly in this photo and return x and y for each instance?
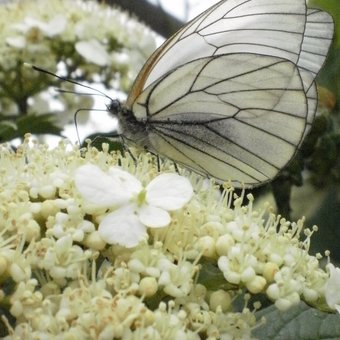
(232, 94)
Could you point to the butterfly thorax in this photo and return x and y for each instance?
(133, 130)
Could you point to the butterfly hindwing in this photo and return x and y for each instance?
(227, 125)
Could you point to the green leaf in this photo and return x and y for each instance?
(8, 131)
(42, 124)
(212, 278)
(98, 139)
(327, 218)
(329, 75)
(301, 322)
(34, 124)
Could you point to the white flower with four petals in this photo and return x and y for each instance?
(138, 207)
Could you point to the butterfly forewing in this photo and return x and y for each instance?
(317, 39)
(271, 27)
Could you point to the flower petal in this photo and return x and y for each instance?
(122, 227)
(99, 188)
(16, 42)
(153, 217)
(93, 51)
(128, 183)
(55, 26)
(332, 291)
(169, 191)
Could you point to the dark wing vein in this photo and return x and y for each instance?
(195, 144)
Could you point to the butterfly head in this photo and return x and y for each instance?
(115, 107)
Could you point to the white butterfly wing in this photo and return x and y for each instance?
(271, 27)
(231, 124)
(232, 93)
(316, 41)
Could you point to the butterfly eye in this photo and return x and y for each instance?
(232, 94)
(114, 107)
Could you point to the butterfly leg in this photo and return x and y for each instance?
(176, 168)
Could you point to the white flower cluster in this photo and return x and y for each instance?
(100, 251)
(83, 40)
(97, 33)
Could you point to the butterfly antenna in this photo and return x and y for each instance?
(39, 69)
(75, 120)
(78, 93)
